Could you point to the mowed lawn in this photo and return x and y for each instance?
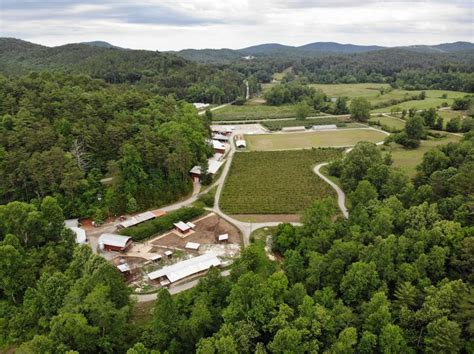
(407, 160)
(303, 140)
(275, 182)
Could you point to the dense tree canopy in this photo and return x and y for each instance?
(61, 134)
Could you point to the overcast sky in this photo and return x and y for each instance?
(178, 24)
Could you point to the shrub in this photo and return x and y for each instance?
(161, 224)
(208, 198)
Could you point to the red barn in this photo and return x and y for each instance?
(114, 242)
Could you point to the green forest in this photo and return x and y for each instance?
(396, 277)
(61, 134)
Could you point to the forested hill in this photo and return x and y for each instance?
(162, 73)
(61, 134)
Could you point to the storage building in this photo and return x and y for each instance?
(114, 242)
(184, 269)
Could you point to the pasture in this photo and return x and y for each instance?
(275, 182)
(367, 90)
(391, 123)
(407, 160)
(304, 140)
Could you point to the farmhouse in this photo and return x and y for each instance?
(213, 167)
(184, 269)
(293, 129)
(324, 127)
(114, 242)
(137, 219)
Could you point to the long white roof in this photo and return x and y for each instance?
(186, 268)
(216, 144)
(113, 240)
(213, 167)
(137, 219)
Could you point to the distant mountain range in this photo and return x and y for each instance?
(311, 49)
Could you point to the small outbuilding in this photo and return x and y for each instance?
(213, 167)
(218, 146)
(223, 238)
(324, 127)
(220, 137)
(114, 242)
(192, 246)
(182, 227)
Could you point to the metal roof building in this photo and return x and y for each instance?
(114, 242)
(186, 268)
(80, 235)
(137, 219)
(213, 167)
(325, 127)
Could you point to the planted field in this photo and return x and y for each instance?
(308, 122)
(407, 160)
(303, 140)
(255, 112)
(275, 182)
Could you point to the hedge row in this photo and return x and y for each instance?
(161, 224)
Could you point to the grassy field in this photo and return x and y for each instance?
(309, 122)
(253, 112)
(303, 140)
(372, 93)
(367, 90)
(275, 182)
(390, 122)
(407, 160)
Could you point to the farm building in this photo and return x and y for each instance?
(155, 258)
(184, 269)
(218, 146)
(217, 157)
(220, 137)
(114, 242)
(222, 129)
(223, 238)
(192, 246)
(213, 167)
(293, 129)
(241, 143)
(324, 127)
(138, 219)
(73, 225)
(184, 227)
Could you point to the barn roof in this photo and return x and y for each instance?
(114, 240)
(186, 268)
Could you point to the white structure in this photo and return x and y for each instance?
(241, 143)
(222, 129)
(191, 225)
(168, 253)
(223, 237)
(199, 105)
(114, 242)
(324, 127)
(212, 167)
(182, 227)
(73, 225)
(293, 129)
(137, 219)
(220, 137)
(155, 257)
(124, 267)
(186, 268)
(192, 246)
(217, 157)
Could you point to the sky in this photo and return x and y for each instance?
(179, 24)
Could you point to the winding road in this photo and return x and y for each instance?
(245, 228)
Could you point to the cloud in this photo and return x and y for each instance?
(177, 24)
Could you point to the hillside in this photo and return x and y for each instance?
(164, 73)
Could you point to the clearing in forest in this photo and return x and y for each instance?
(275, 182)
(303, 140)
